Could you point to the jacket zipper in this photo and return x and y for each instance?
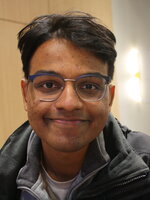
(130, 181)
(125, 183)
(116, 186)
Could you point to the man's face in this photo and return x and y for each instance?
(69, 123)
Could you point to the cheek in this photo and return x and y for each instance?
(35, 112)
(99, 115)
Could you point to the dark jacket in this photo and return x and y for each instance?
(124, 177)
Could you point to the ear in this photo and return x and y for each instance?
(111, 94)
(24, 87)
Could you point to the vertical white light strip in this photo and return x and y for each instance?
(133, 84)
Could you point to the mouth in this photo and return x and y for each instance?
(66, 121)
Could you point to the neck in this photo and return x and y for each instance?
(63, 166)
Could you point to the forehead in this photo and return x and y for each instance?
(63, 57)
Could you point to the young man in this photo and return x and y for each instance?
(71, 148)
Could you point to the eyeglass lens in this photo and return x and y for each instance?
(90, 88)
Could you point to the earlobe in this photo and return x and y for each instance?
(24, 92)
(111, 94)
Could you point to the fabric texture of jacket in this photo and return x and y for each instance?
(116, 166)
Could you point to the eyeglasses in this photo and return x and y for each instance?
(89, 87)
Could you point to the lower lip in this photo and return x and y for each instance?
(67, 122)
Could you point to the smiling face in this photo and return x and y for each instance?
(67, 124)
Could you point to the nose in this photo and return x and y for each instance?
(69, 99)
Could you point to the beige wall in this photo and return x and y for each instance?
(14, 14)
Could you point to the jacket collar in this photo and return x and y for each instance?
(125, 163)
(29, 173)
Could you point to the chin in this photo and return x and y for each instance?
(67, 147)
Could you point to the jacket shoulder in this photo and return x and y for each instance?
(21, 134)
(140, 141)
(12, 158)
(141, 144)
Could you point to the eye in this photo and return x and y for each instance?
(89, 86)
(48, 86)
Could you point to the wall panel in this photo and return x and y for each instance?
(98, 8)
(22, 10)
(11, 108)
